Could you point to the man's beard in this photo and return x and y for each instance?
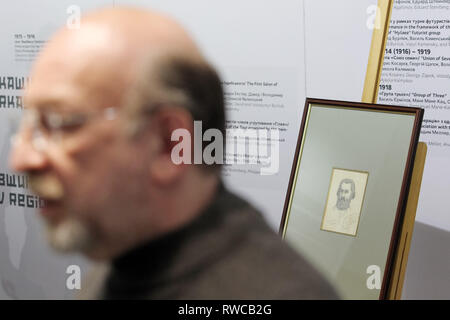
(343, 204)
(69, 235)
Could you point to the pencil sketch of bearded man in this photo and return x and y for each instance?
(342, 217)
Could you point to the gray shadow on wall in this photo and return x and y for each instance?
(428, 271)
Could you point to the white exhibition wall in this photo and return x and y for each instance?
(344, 48)
(315, 48)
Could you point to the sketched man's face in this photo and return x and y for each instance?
(344, 196)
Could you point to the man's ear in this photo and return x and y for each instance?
(165, 166)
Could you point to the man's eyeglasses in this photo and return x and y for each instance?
(44, 127)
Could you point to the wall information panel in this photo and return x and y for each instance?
(28, 268)
(416, 73)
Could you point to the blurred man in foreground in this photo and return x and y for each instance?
(96, 144)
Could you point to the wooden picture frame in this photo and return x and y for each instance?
(351, 135)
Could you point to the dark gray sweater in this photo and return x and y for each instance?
(227, 252)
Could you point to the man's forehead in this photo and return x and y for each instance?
(346, 184)
(103, 57)
(73, 65)
(73, 50)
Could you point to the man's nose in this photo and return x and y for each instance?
(25, 158)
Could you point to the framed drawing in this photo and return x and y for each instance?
(344, 201)
(347, 192)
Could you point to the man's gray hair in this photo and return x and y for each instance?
(182, 81)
